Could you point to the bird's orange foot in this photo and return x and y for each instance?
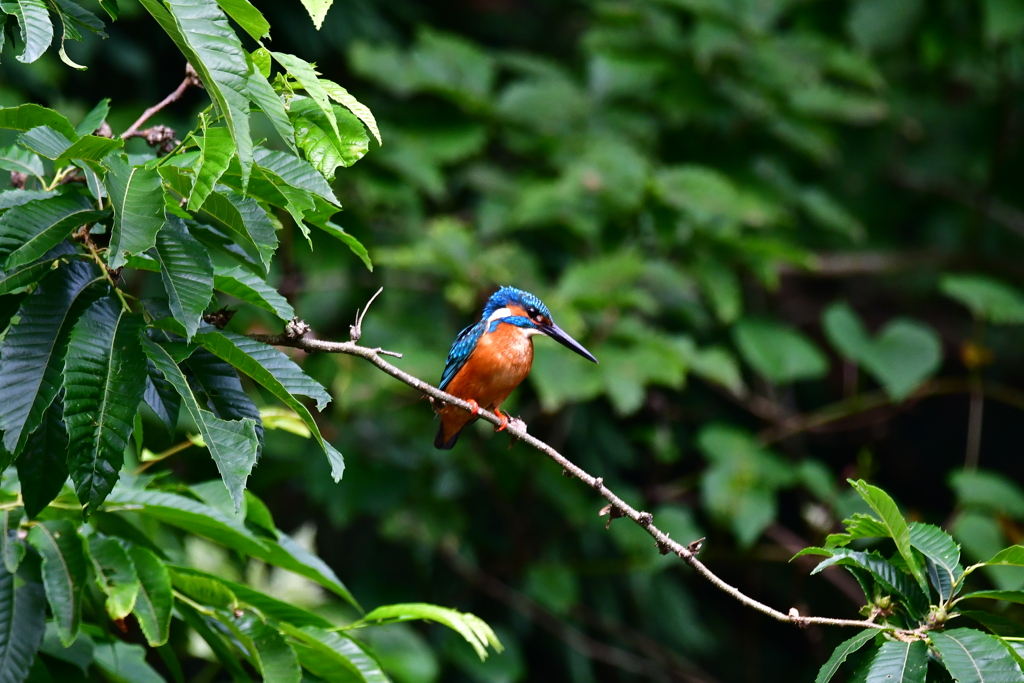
(474, 407)
(504, 421)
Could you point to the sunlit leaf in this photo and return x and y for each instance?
(155, 601)
(64, 573)
(971, 656)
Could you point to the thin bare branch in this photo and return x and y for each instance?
(191, 79)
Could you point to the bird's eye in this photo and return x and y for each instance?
(531, 311)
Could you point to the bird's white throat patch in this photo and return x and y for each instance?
(500, 313)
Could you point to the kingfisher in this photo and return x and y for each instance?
(492, 357)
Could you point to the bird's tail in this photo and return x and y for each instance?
(439, 441)
(453, 421)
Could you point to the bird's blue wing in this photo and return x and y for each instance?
(460, 352)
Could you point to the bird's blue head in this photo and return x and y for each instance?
(524, 310)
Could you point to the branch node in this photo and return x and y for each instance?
(598, 483)
(356, 330)
(645, 519)
(566, 473)
(296, 329)
(219, 319)
(794, 616)
(695, 546)
(662, 546)
(612, 512)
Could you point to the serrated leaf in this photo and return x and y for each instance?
(307, 78)
(325, 652)
(899, 662)
(187, 273)
(328, 146)
(22, 623)
(94, 119)
(317, 10)
(362, 112)
(115, 575)
(1008, 596)
(137, 198)
(221, 64)
(155, 601)
(161, 397)
(1008, 557)
(206, 589)
(27, 116)
(188, 514)
(274, 657)
(219, 383)
(36, 28)
(243, 284)
(942, 555)
(28, 231)
(778, 353)
(232, 444)
(893, 580)
(247, 16)
(103, 387)
(987, 298)
(43, 465)
(44, 141)
(296, 173)
(11, 198)
(64, 573)
(216, 150)
(889, 514)
(18, 159)
(278, 374)
(32, 352)
(354, 244)
(262, 94)
(842, 651)
(858, 525)
(971, 656)
(453, 619)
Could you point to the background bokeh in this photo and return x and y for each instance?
(759, 214)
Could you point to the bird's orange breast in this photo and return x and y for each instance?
(499, 363)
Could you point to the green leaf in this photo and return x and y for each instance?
(894, 581)
(217, 643)
(216, 150)
(262, 94)
(247, 16)
(1008, 557)
(45, 141)
(721, 286)
(58, 147)
(290, 170)
(204, 588)
(36, 29)
(288, 554)
(94, 119)
(137, 198)
(28, 116)
(17, 158)
(325, 653)
(355, 245)
(43, 466)
(221, 64)
(942, 556)
(12, 550)
(187, 273)
(222, 389)
(187, 514)
(889, 514)
(304, 73)
(778, 353)
(317, 10)
(22, 622)
(470, 627)
(971, 656)
(1008, 596)
(64, 573)
(232, 444)
(32, 353)
(161, 397)
(275, 659)
(857, 526)
(328, 143)
(28, 231)
(362, 112)
(115, 575)
(122, 662)
(988, 491)
(842, 651)
(899, 662)
(244, 285)
(103, 388)
(987, 298)
(279, 375)
(155, 601)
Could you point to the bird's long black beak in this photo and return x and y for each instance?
(560, 336)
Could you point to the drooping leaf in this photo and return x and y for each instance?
(328, 146)
(115, 575)
(287, 554)
(64, 573)
(342, 97)
(779, 354)
(324, 652)
(22, 622)
(355, 245)
(215, 153)
(244, 285)
(893, 580)
(36, 28)
(28, 231)
(187, 273)
(247, 16)
(942, 556)
(839, 655)
(43, 466)
(275, 371)
(274, 657)
(138, 200)
(155, 601)
(971, 656)
(232, 444)
(307, 78)
(474, 630)
(32, 353)
(263, 96)
(221, 64)
(187, 514)
(889, 514)
(219, 383)
(103, 388)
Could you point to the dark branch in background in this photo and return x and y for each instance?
(294, 336)
(162, 136)
(993, 208)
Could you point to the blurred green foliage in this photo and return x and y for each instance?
(789, 231)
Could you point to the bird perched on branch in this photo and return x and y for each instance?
(490, 358)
